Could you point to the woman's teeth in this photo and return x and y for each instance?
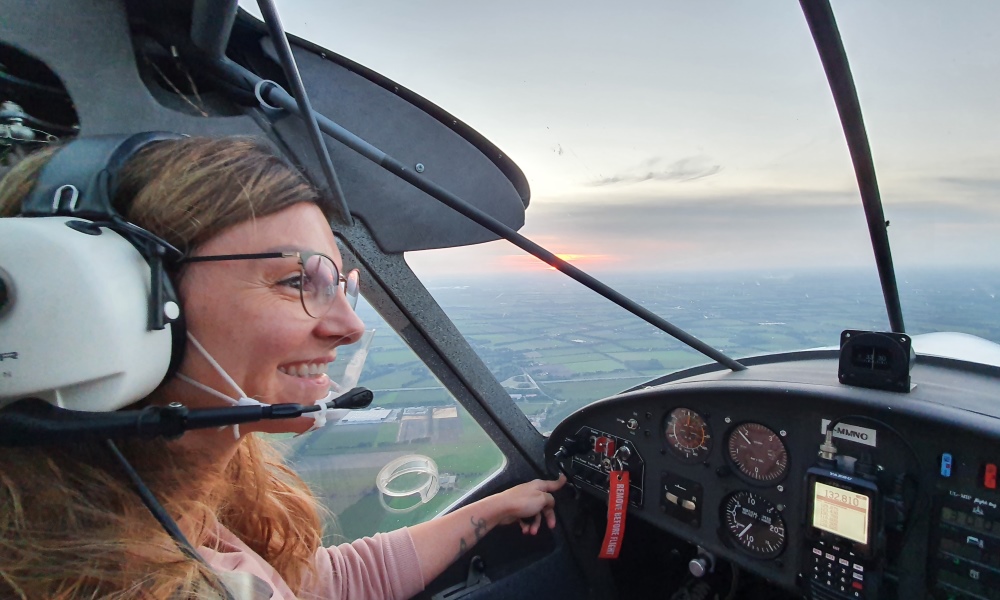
(305, 370)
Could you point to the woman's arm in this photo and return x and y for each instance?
(441, 541)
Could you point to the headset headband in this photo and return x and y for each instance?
(81, 178)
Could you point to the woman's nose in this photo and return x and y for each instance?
(341, 322)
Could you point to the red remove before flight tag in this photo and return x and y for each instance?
(617, 508)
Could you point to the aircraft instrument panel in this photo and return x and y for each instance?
(905, 505)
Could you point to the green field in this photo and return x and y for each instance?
(346, 486)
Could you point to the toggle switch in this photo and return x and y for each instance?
(946, 465)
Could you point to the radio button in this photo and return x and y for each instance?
(990, 476)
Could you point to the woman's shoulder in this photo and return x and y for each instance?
(382, 566)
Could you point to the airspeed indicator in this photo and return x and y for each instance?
(753, 524)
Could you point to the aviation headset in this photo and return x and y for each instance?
(89, 319)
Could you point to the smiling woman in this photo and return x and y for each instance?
(186, 191)
(266, 308)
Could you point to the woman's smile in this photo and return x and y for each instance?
(306, 370)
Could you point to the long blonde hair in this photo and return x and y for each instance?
(71, 526)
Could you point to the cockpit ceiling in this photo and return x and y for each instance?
(114, 89)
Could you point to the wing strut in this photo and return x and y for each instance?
(305, 110)
(823, 26)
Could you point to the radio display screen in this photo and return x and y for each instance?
(841, 512)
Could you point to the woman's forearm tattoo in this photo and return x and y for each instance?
(479, 530)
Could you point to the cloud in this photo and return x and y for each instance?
(781, 228)
(979, 183)
(685, 169)
(644, 215)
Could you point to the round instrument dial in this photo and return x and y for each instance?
(753, 524)
(688, 435)
(758, 452)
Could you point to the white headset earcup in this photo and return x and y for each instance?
(77, 327)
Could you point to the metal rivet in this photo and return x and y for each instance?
(728, 420)
(419, 167)
(781, 488)
(782, 433)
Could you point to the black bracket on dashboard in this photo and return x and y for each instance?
(880, 361)
(476, 579)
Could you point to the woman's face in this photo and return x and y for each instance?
(248, 315)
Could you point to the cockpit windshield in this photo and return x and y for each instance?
(693, 159)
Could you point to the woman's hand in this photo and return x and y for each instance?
(529, 503)
(442, 540)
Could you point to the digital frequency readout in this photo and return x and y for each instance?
(841, 512)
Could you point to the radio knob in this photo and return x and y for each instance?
(703, 564)
(698, 567)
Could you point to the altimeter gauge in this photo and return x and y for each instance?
(688, 435)
(758, 452)
(753, 524)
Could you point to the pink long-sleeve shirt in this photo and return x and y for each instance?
(383, 566)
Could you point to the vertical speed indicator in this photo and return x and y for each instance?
(688, 436)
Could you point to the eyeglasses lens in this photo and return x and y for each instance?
(319, 284)
(320, 280)
(352, 287)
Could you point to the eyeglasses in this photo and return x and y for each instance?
(317, 281)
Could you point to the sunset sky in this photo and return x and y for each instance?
(702, 135)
